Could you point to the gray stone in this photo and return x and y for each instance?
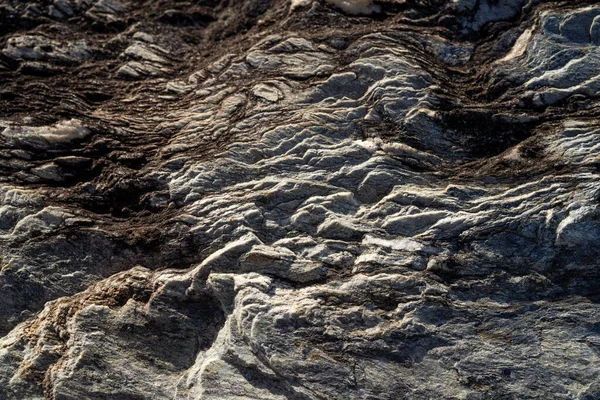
(299, 201)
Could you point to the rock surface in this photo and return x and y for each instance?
(299, 200)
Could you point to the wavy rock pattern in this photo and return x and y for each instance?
(316, 200)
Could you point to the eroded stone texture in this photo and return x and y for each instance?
(317, 200)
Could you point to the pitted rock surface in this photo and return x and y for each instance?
(299, 200)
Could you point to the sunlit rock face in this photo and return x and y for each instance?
(306, 200)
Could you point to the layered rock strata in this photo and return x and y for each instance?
(306, 200)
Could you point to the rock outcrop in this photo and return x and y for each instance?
(266, 199)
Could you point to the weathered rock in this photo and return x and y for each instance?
(315, 200)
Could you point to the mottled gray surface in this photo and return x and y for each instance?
(404, 206)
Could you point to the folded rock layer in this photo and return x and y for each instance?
(266, 199)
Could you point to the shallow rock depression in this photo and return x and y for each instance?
(272, 200)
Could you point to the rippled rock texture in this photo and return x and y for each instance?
(333, 199)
